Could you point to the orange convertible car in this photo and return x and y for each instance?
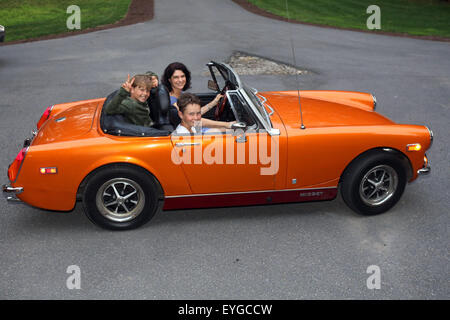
(285, 146)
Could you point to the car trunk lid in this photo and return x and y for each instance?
(73, 122)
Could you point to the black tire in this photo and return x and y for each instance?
(374, 182)
(120, 197)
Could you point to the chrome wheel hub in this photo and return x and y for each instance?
(378, 185)
(120, 199)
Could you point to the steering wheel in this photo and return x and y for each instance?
(220, 108)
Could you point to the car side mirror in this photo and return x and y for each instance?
(213, 86)
(239, 125)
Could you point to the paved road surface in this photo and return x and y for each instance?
(294, 251)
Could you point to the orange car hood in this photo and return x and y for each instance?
(325, 108)
(72, 123)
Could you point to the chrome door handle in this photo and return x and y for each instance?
(186, 144)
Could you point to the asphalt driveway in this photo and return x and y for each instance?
(295, 251)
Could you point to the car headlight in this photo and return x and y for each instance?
(374, 102)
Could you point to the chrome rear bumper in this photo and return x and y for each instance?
(10, 193)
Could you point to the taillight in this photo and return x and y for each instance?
(44, 117)
(14, 168)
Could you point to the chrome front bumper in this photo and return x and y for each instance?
(10, 193)
(424, 171)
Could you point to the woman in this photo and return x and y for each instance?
(177, 78)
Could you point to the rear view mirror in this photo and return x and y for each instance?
(213, 86)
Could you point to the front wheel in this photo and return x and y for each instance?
(374, 183)
(120, 198)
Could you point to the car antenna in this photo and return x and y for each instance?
(295, 66)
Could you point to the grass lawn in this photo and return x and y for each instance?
(24, 19)
(415, 17)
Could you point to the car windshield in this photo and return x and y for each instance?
(218, 77)
(257, 102)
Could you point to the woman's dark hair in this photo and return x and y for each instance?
(170, 69)
(186, 99)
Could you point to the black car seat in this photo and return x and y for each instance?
(159, 103)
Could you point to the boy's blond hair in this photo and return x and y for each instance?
(142, 80)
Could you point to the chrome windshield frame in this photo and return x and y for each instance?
(264, 119)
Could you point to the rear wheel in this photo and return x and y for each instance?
(120, 198)
(374, 183)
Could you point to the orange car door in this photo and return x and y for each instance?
(226, 162)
